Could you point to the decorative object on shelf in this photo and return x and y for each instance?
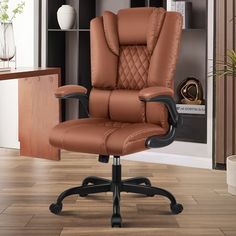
(191, 109)
(190, 91)
(183, 7)
(231, 174)
(7, 42)
(66, 16)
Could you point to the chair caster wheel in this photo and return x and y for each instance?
(116, 221)
(56, 208)
(84, 184)
(176, 208)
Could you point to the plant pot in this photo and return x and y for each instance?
(66, 16)
(231, 174)
(7, 42)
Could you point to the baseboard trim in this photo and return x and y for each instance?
(171, 159)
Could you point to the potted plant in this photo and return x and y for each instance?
(7, 43)
(228, 68)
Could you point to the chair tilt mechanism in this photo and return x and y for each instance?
(131, 107)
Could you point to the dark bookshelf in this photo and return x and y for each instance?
(70, 49)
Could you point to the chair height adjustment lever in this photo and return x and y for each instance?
(103, 158)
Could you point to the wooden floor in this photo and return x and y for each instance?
(28, 186)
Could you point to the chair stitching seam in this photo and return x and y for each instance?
(67, 130)
(107, 36)
(134, 141)
(105, 136)
(134, 134)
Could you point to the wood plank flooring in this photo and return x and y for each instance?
(28, 186)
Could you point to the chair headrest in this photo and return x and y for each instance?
(133, 26)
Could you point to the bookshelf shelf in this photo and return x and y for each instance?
(191, 109)
(69, 30)
(192, 30)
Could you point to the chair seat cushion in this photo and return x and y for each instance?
(102, 136)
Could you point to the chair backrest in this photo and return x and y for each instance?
(135, 49)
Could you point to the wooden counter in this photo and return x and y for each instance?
(39, 110)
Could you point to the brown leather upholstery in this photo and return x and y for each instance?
(104, 61)
(111, 31)
(102, 136)
(125, 106)
(165, 54)
(134, 64)
(132, 25)
(133, 58)
(69, 89)
(154, 28)
(156, 113)
(99, 103)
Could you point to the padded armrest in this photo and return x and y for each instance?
(67, 90)
(74, 91)
(163, 95)
(152, 92)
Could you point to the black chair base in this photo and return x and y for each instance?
(93, 185)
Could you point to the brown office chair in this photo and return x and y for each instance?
(131, 106)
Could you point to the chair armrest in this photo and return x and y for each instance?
(74, 91)
(151, 92)
(163, 95)
(174, 119)
(70, 91)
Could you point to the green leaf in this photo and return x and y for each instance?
(4, 8)
(227, 66)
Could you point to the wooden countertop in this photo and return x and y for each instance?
(24, 72)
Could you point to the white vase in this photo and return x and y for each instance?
(66, 16)
(231, 174)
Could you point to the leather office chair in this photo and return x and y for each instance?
(131, 106)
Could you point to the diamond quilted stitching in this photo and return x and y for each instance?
(133, 67)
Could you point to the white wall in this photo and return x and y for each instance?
(111, 6)
(24, 38)
(210, 91)
(24, 35)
